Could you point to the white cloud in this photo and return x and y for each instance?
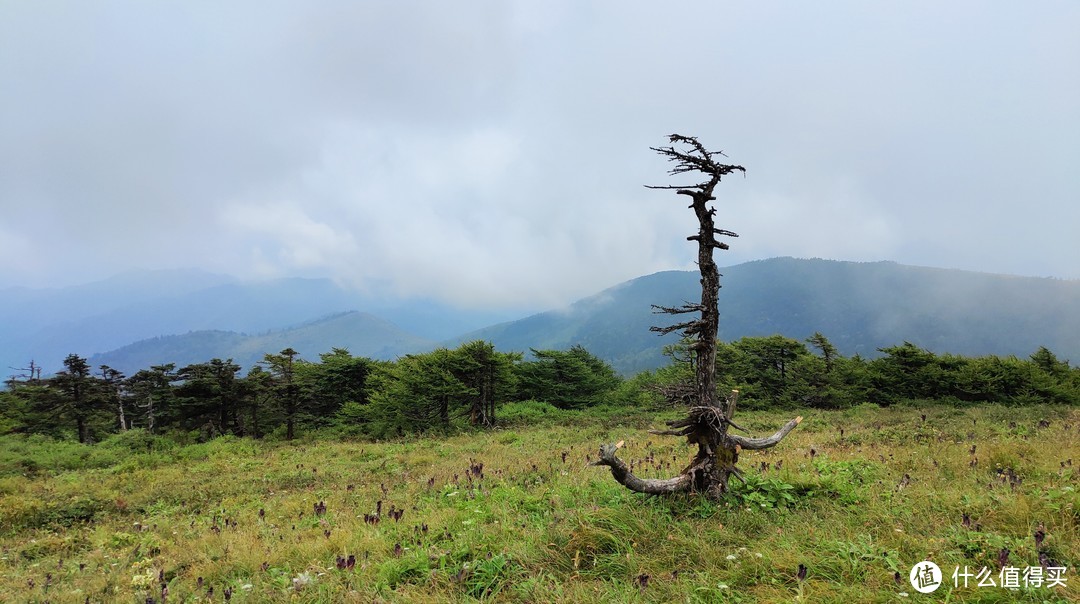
(494, 152)
(19, 259)
(284, 238)
(838, 220)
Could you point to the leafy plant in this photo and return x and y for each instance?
(766, 493)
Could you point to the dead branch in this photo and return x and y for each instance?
(709, 419)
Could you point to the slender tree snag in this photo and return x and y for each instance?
(709, 418)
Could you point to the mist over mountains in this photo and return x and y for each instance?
(189, 313)
(135, 320)
(860, 307)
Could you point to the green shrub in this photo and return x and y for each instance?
(138, 440)
(530, 412)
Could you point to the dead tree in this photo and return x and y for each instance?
(709, 418)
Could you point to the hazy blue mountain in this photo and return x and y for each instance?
(361, 333)
(859, 306)
(25, 310)
(48, 324)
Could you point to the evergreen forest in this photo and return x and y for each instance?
(475, 386)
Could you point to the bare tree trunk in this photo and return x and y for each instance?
(150, 413)
(120, 409)
(709, 419)
(84, 433)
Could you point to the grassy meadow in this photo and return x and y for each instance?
(518, 515)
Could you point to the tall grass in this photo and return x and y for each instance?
(517, 515)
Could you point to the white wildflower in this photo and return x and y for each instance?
(301, 580)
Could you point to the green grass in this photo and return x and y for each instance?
(115, 521)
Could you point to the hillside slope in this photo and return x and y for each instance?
(48, 324)
(361, 334)
(859, 306)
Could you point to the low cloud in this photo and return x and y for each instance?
(493, 153)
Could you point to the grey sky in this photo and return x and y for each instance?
(493, 153)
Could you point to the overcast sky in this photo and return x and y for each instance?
(493, 153)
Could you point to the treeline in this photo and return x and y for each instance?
(776, 371)
(450, 389)
(440, 390)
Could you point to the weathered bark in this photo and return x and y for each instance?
(709, 418)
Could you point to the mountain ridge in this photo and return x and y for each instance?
(859, 306)
(362, 334)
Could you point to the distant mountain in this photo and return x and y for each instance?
(860, 307)
(361, 333)
(48, 324)
(25, 310)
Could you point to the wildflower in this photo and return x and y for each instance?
(300, 581)
(144, 579)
